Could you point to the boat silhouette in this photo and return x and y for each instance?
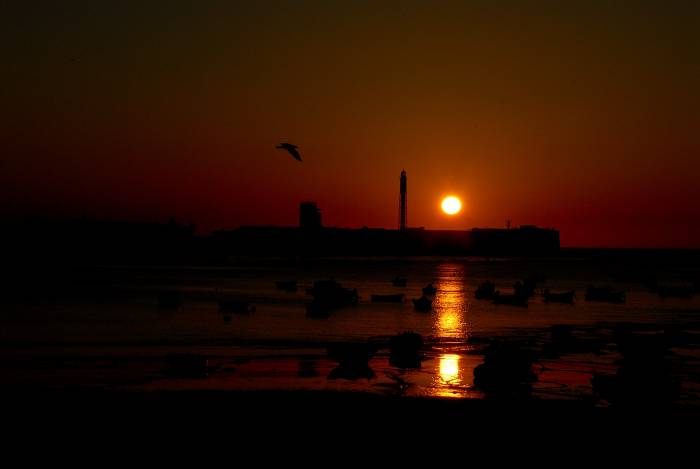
(485, 290)
(422, 304)
(513, 299)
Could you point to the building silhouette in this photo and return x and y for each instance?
(403, 209)
(313, 239)
(309, 216)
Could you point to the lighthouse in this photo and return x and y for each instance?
(403, 209)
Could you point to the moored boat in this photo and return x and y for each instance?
(328, 295)
(509, 299)
(332, 293)
(423, 303)
(485, 290)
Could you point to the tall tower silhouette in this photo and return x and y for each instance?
(403, 209)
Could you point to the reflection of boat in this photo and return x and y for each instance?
(507, 371)
(169, 300)
(405, 350)
(423, 303)
(398, 298)
(236, 306)
(511, 300)
(485, 290)
(353, 360)
(352, 352)
(399, 282)
(563, 297)
(286, 285)
(429, 289)
(644, 377)
(606, 294)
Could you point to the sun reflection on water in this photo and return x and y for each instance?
(449, 369)
(450, 327)
(450, 303)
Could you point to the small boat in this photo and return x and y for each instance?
(398, 298)
(169, 300)
(525, 287)
(423, 303)
(429, 290)
(236, 306)
(485, 291)
(605, 294)
(510, 299)
(332, 294)
(563, 297)
(399, 282)
(286, 285)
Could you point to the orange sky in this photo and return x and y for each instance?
(581, 116)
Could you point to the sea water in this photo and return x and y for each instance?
(112, 312)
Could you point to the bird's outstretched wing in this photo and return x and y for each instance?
(292, 149)
(295, 153)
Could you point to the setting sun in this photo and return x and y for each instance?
(451, 205)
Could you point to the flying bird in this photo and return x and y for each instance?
(292, 149)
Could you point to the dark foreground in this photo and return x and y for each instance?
(285, 413)
(302, 429)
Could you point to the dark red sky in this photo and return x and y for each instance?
(578, 115)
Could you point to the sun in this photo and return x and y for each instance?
(451, 205)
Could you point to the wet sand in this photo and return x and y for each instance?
(564, 370)
(102, 364)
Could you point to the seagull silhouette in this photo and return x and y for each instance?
(292, 149)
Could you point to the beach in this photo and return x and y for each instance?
(100, 327)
